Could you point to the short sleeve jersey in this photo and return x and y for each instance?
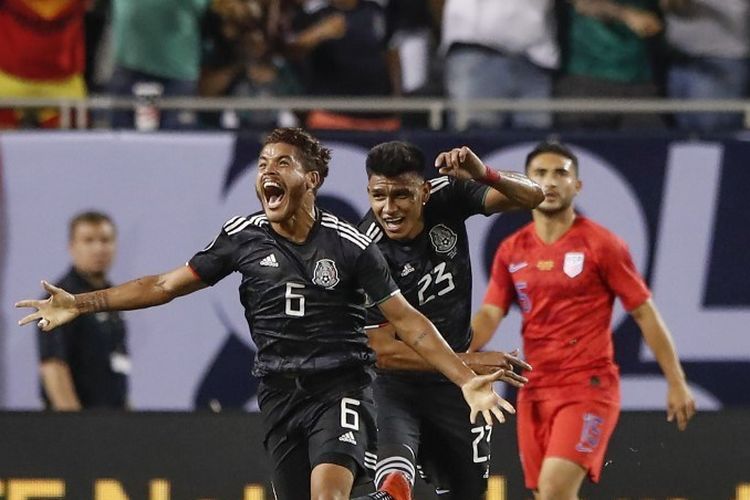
(304, 303)
(433, 270)
(566, 291)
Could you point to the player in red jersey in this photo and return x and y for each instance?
(564, 271)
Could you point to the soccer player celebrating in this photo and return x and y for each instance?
(420, 227)
(564, 271)
(304, 278)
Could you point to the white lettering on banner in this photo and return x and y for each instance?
(682, 259)
(609, 200)
(167, 369)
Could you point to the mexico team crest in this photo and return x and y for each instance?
(443, 238)
(573, 264)
(326, 274)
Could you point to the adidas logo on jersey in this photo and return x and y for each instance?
(407, 270)
(348, 437)
(270, 261)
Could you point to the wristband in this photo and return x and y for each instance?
(490, 177)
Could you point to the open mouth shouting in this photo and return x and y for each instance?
(393, 224)
(273, 193)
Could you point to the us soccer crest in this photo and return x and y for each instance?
(443, 238)
(573, 264)
(326, 274)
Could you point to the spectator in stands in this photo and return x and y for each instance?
(710, 42)
(500, 49)
(97, 29)
(342, 48)
(241, 59)
(85, 364)
(610, 52)
(41, 55)
(414, 24)
(157, 41)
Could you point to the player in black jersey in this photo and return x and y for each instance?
(305, 274)
(420, 228)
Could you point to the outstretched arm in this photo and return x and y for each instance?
(394, 354)
(680, 402)
(62, 307)
(422, 336)
(510, 190)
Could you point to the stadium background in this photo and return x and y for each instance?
(677, 201)
(677, 194)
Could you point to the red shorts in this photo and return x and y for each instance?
(575, 430)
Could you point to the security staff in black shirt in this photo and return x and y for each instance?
(305, 274)
(85, 363)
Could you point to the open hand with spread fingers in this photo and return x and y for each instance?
(58, 309)
(461, 163)
(482, 398)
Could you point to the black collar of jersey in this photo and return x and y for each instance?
(310, 235)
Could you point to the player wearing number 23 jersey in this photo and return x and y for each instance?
(420, 227)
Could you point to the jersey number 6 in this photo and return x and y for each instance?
(295, 302)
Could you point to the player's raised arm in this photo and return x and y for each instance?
(62, 307)
(510, 190)
(422, 336)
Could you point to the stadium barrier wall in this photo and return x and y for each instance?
(180, 456)
(680, 203)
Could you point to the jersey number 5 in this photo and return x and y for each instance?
(295, 302)
(440, 276)
(524, 302)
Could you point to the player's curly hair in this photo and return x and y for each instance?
(394, 158)
(553, 147)
(315, 156)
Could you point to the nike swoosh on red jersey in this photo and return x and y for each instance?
(512, 268)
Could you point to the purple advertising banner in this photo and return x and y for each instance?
(680, 205)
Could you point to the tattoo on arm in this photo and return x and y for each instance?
(161, 285)
(420, 338)
(92, 302)
(520, 189)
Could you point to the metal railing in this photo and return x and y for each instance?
(75, 111)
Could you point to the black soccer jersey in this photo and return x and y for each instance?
(304, 302)
(433, 270)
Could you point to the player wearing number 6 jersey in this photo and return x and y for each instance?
(564, 271)
(304, 278)
(420, 226)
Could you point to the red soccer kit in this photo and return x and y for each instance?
(566, 291)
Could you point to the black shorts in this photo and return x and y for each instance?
(431, 417)
(327, 417)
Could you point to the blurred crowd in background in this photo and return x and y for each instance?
(460, 49)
